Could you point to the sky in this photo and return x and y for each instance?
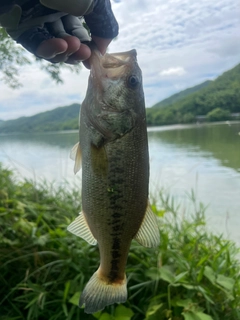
(180, 43)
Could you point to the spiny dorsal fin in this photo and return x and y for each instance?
(148, 234)
(80, 228)
(76, 155)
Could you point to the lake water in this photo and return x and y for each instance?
(203, 158)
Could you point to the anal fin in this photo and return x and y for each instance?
(80, 228)
(148, 234)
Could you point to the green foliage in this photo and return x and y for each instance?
(62, 118)
(13, 56)
(221, 93)
(182, 94)
(193, 275)
(218, 114)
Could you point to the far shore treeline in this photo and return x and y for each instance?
(217, 100)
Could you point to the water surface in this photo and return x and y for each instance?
(205, 158)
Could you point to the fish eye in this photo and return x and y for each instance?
(133, 81)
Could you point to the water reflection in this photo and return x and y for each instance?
(65, 139)
(219, 141)
(203, 158)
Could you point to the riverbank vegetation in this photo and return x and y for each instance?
(193, 275)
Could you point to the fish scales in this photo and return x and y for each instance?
(115, 174)
(116, 192)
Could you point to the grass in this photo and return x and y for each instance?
(193, 275)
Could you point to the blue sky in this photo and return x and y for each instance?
(180, 43)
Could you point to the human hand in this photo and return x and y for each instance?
(46, 30)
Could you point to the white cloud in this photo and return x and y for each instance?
(39, 93)
(178, 71)
(179, 44)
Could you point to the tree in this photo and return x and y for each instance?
(12, 56)
(218, 114)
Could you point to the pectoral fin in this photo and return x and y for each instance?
(148, 234)
(80, 228)
(76, 155)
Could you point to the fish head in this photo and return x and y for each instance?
(114, 104)
(117, 80)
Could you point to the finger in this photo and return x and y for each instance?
(51, 48)
(57, 29)
(74, 7)
(101, 43)
(86, 64)
(74, 26)
(73, 46)
(64, 28)
(82, 54)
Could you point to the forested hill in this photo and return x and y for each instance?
(212, 100)
(180, 95)
(219, 100)
(62, 118)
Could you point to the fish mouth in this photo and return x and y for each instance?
(112, 65)
(117, 60)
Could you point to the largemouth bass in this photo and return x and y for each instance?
(113, 150)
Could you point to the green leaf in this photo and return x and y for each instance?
(184, 303)
(153, 273)
(66, 290)
(210, 274)
(106, 316)
(65, 310)
(191, 315)
(75, 298)
(154, 312)
(97, 314)
(166, 274)
(160, 213)
(123, 313)
(200, 274)
(205, 294)
(187, 286)
(203, 316)
(180, 276)
(225, 282)
(202, 260)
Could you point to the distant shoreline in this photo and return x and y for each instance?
(149, 128)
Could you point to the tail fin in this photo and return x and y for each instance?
(98, 294)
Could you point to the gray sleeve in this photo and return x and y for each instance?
(101, 20)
